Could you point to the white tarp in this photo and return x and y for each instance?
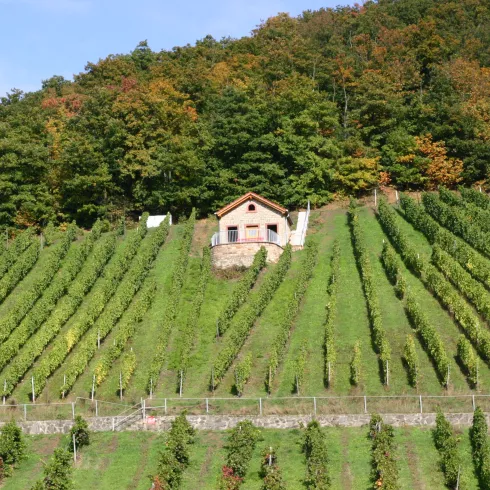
(154, 221)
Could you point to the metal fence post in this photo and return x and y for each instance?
(207, 405)
(314, 405)
(260, 406)
(144, 409)
(165, 406)
(25, 411)
(420, 401)
(365, 404)
(96, 408)
(473, 399)
(73, 410)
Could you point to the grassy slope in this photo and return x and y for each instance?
(124, 460)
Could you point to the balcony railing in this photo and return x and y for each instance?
(235, 236)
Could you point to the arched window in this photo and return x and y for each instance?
(251, 207)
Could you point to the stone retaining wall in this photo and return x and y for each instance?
(223, 422)
(242, 254)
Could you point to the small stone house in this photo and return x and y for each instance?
(245, 225)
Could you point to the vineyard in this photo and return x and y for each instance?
(386, 300)
(114, 461)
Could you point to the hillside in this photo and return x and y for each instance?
(142, 311)
(333, 102)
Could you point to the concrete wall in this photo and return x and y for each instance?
(242, 254)
(262, 216)
(223, 422)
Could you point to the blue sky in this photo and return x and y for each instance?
(42, 38)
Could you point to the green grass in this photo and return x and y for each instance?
(116, 461)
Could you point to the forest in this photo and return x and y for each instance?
(332, 103)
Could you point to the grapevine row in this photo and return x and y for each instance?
(45, 311)
(383, 452)
(315, 450)
(370, 292)
(473, 290)
(115, 308)
(125, 331)
(455, 221)
(189, 329)
(480, 448)
(466, 255)
(331, 313)
(14, 251)
(479, 199)
(430, 339)
(472, 213)
(247, 317)
(19, 270)
(435, 282)
(241, 291)
(29, 297)
(178, 278)
(112, 275)
(290, 311)
(446, 444)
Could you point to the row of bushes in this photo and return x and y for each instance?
(467, 256)
(383, 453)
(35, 343)
(26, 300)
(472, 289)
(315, 450)
(436, 282)
(392, 268)
(467, 210)
(446, 444)
(126, 328)
(10, 255)
(168, 319)
(330, 315)
(19, 270)
(480, 199)
(189, 329)
(241, 291)
(240, 447)
(370, 289)
(290, 310)
(454, 220)
(101, 294)
(245, 320)
(271, 472)
(115, 308)
(174, 459)
(480, 448)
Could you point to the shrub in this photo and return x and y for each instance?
(12, 446)
(383, 452)
(315, 450)
(81, 433)
(57, 472)
(447, 445)
(174, 459)
(480, 447)
(356, 364)
(270, 471)
(411, 360)
(243, 370)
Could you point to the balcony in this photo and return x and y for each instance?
(236, 236)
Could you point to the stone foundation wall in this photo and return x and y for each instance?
(242, 254)
(223, 422)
